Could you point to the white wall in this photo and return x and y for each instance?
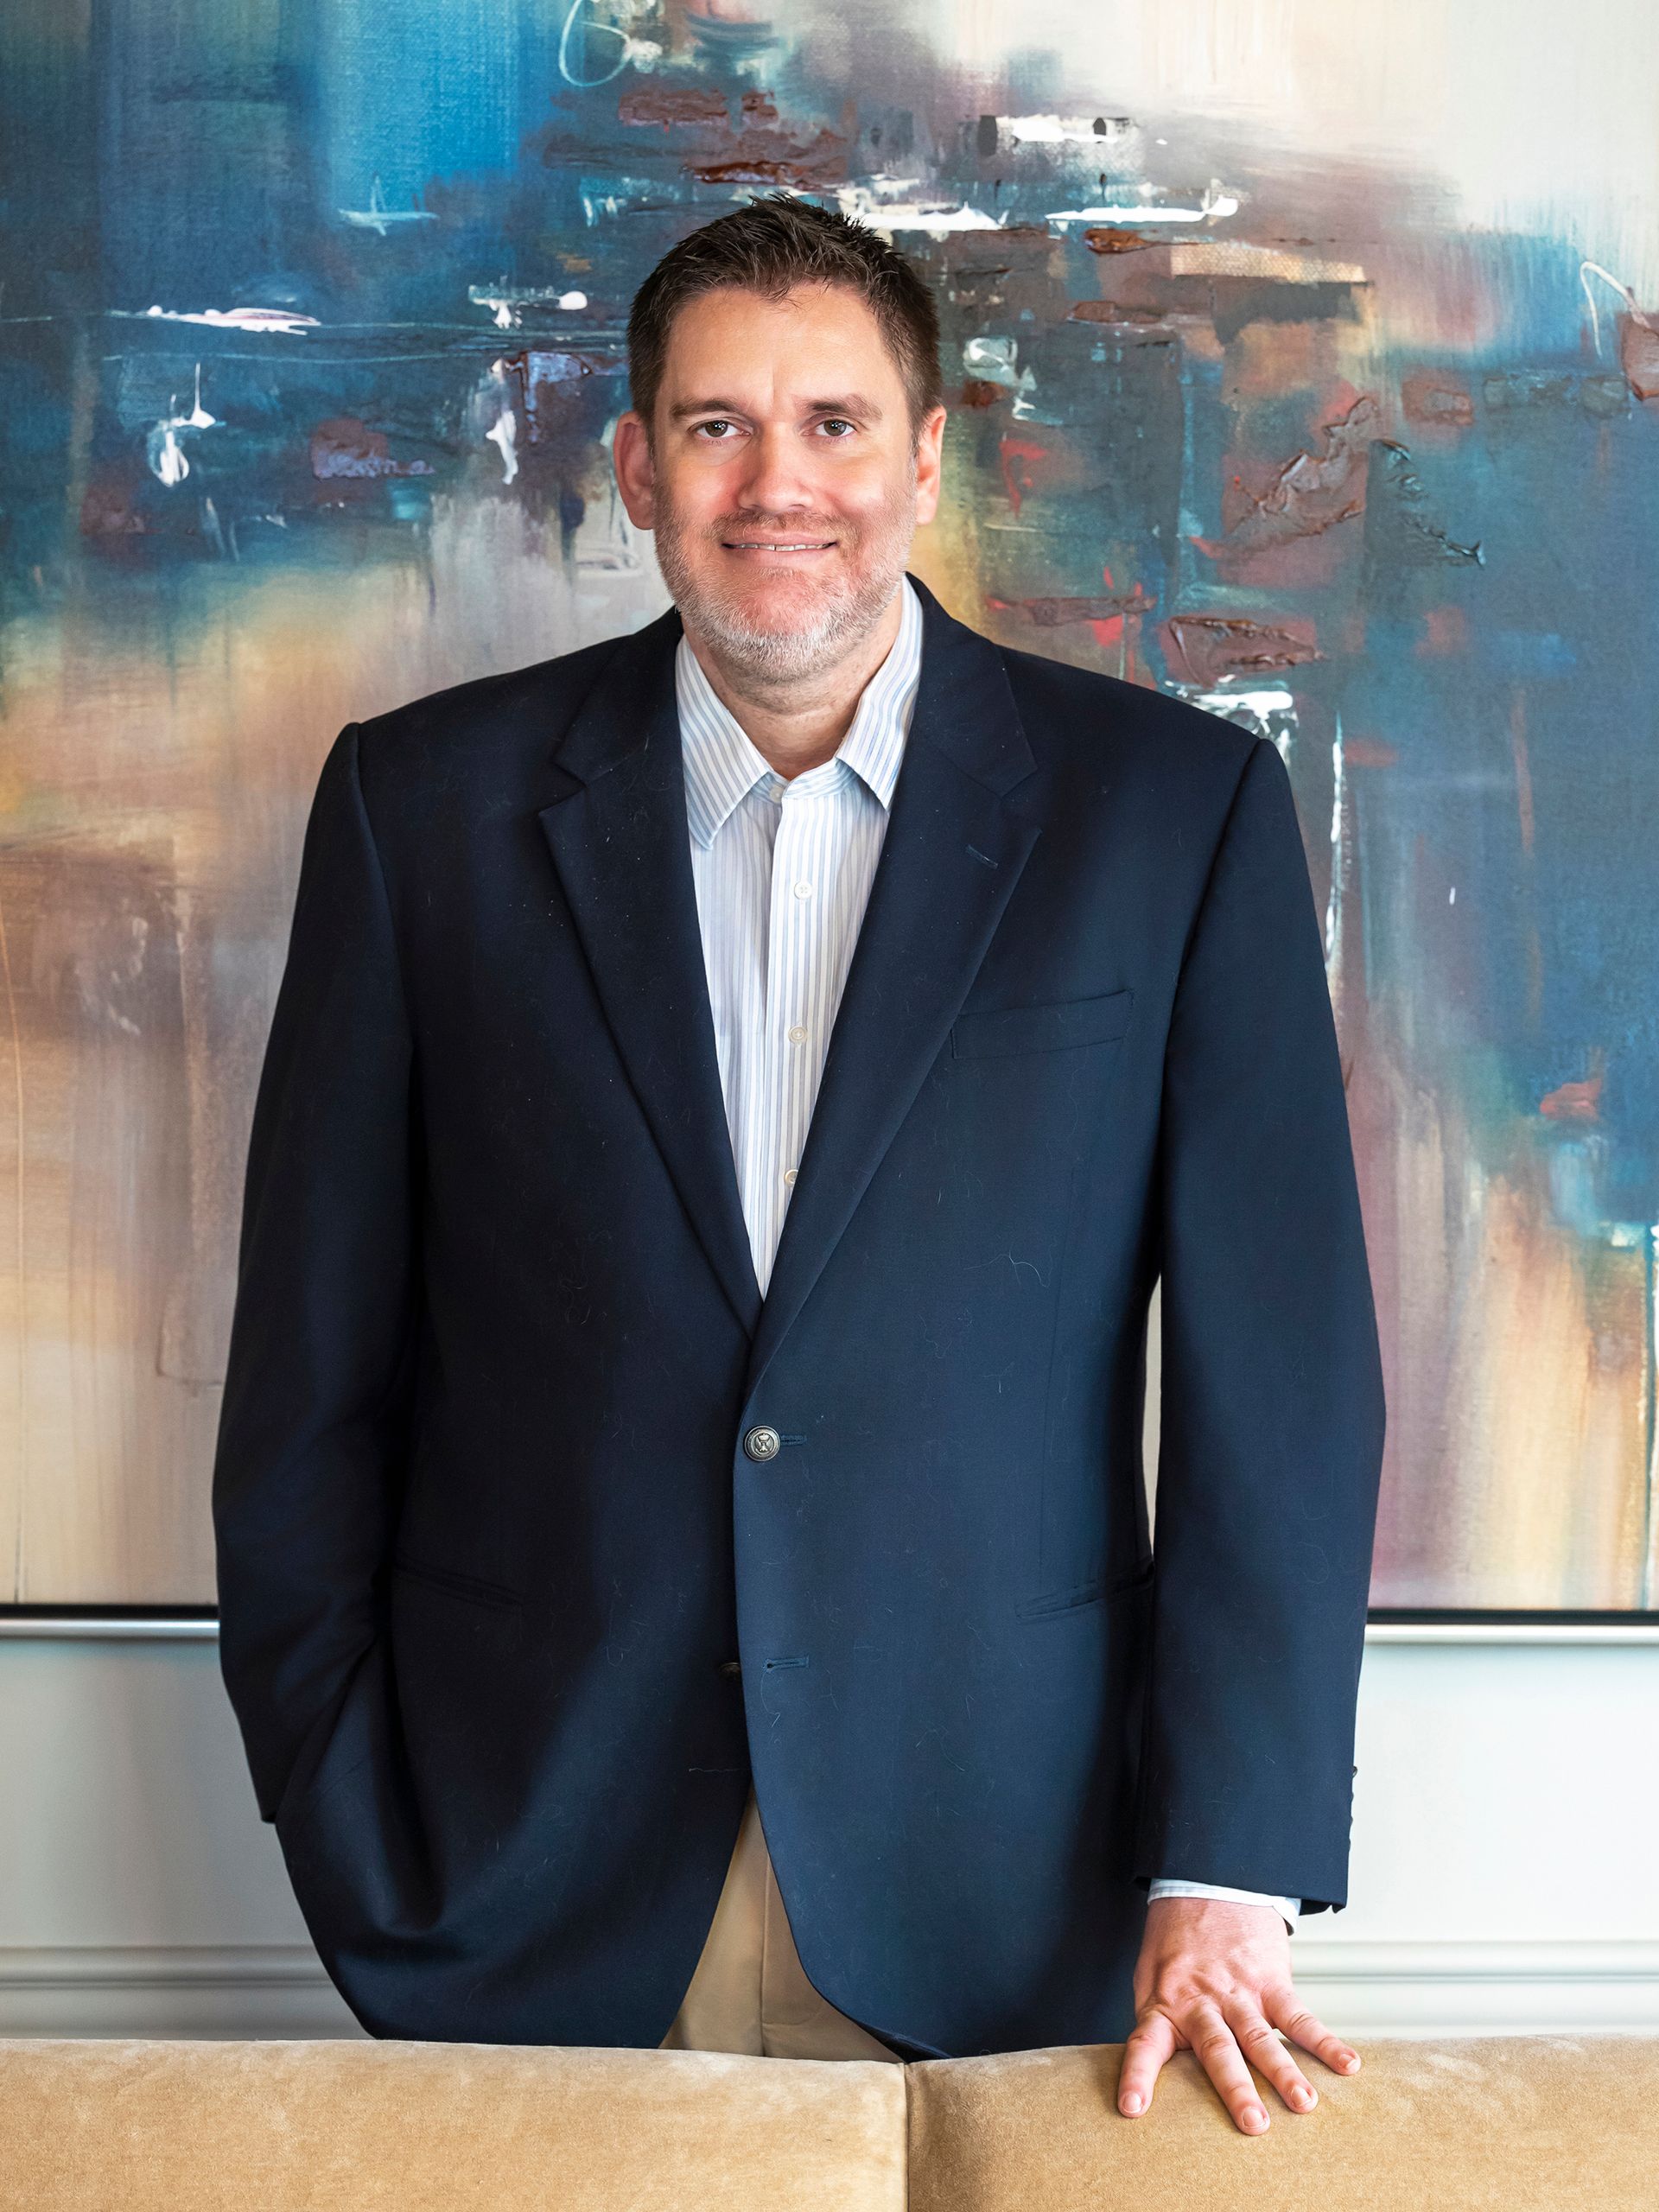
(1506, 1810)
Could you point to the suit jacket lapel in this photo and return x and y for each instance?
(955, 846)
(620, 841)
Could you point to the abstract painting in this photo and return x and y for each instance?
(1302, 361)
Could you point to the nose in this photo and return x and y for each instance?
(774, 478)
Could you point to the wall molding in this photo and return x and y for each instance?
(211, 1990)
(257, 1989)
(1515, 1987)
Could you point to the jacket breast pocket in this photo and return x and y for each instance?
(1052, 1026)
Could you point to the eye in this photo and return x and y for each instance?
(839, 418)
(713, 424)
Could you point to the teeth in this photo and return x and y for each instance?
(764, 545)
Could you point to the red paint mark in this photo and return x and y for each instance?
(1445, 630)
(1368, 753)
(1574, 1102)
(1014, 450)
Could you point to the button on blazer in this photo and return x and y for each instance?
(491, 1520)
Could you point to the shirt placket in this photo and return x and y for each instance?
(794, 967)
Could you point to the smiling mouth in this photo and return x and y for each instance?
(777, 545)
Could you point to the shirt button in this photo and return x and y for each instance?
(797, 1035)
(761, 1443)
(802, 890)
(789, 1174)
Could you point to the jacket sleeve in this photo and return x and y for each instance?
(321, 1353)
(1272, 1413)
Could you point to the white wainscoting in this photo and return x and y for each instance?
(1502, 1880)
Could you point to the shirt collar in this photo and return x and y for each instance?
(722, 764)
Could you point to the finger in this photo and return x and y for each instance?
(1286, 2010)
(1150, 2042)
(1264, 2049)
(1218, 2053)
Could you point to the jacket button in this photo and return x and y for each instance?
(731, 1666)
(761, 1443)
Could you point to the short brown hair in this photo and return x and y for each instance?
(768, 246)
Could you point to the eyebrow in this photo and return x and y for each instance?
(848, 402)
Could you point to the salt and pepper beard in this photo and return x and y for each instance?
(842, 611)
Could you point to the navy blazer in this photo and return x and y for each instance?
(491, 1548)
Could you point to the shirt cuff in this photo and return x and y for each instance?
(1290, 1907)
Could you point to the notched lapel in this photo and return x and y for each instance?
(956, 844)
(619, 842)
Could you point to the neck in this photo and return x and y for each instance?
(797, 725)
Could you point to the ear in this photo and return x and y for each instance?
(636, 475)
(929, 441)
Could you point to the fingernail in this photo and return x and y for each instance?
(1254, 2115)
(1351, 2059)
(1131, 2103)
(1301, 2099)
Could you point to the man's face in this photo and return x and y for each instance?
(780, 424)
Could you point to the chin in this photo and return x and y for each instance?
(789, 604)
(781, 649)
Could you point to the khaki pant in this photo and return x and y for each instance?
(750, 1993)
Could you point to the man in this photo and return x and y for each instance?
(732, 1092)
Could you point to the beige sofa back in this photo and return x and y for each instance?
(1511, 2124)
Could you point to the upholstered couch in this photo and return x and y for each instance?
(1511, 2124)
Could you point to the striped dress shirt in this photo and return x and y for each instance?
(783, 868)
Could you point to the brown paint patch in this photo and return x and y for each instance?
(345, 446)
(1113, 311)
(1638, 355)
(1430, 396)
(1311, 493)
(1109, 607)
(109, 505)
(668, 105)
(768, 158)
(1210, 646)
